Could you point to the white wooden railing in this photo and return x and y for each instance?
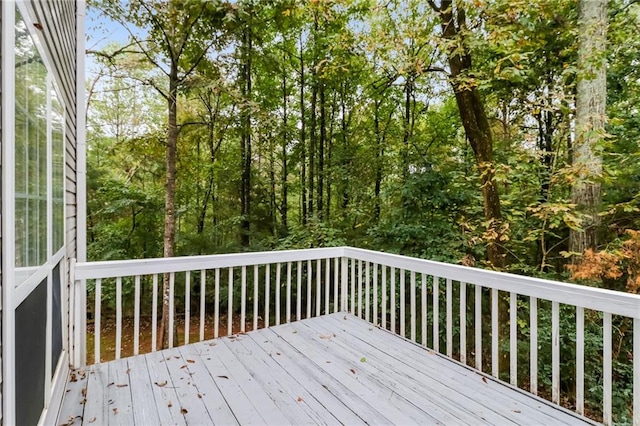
(411, 297)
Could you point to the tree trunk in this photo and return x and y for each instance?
(475, 123)
(312, 141)
(303, 142)
(321, 145)
(285, 142)
(245, 147)
(591, 96)
(169, 200)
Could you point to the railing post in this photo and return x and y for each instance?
(78, 337)
(344, 282)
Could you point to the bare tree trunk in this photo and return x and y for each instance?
(245, 148)
(285, 141)
(591, 96)
(303, 142)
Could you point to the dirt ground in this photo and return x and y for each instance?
(108, 334)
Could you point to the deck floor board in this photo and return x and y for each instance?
(333, 369)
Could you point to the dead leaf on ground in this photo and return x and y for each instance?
(184, 366)
(299, 399)
(111, 384)
(345, 317)
(84, 392)
(190, 361)
(73, 378)
(115, 410)
(326, 336)
(170, 404)
(223, 377)
(484, 379)
(353, 371)
(212, 344)
(93, 419)
(122, 385)
(200, 395)
(128, 370)
(176, 357)
(516, 411)
(161, 384)
(278, 353)
(183, 410)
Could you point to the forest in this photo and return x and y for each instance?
(500, 134)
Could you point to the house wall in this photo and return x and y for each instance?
(56, 23)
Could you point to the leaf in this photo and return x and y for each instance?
(190, 361)
(183, 410)
(93, 419)
(212, 344)
(73, 378)
(516, 411)
(363, 359)
(161, 384)
(484, 379)
(115, 410)
(299, 399)
(223, 377)
(325, 336)
(122, 385)
(170, 404)
(353, 371)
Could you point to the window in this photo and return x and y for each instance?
(39, 158)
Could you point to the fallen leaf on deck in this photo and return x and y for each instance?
(183, 411)
(93, 419)
(328, 362)
(516, 411)
(176, 357)
(111, 384)
(73, 378)
(184, 366)
(299, 399)
(128, 370)
(278, 353)
(363, 359)
(122, 385)
(345, 317)
(326, 336)
(200, 395)
(484, 379)
(84, 392)
(223, 377)
(295, 332)
(161, 384)
(115, 410)
(170, 404)
(353, 371)
(212, 344)
(190, 361)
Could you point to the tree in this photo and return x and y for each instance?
(453, 19)
(591, 96)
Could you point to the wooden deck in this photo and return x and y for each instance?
(334, 369)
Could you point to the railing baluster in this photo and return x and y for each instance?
(299, 293)
(555, 352)
(449, 318)
(118, 317)
(353, 286)
(384, 297)
(154, 313)
(606, 355)
(230, 304)
(423, 317)
(463, 322)
(375, 294)
(436, 314)
(309, 281)
(256, 295)
(203, 284)
(288, 312)
(360, 288)
(412, 303)
(344, 283)
(513, 338)
(96, 323)
(327, 283)
(277, 288)
(533, 344)
(172, 285)
(478, 327)
(187, 305)
(216, 305)
(392, 302)
(318, 287)
(403, 302)
(136, 316)
(336, 281)
(367, 292)
(243, 299)
(636, 372)
(267, 293)
(580, 360)
(495, 350)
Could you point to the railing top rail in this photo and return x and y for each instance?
(126, 268)
(614, 302)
